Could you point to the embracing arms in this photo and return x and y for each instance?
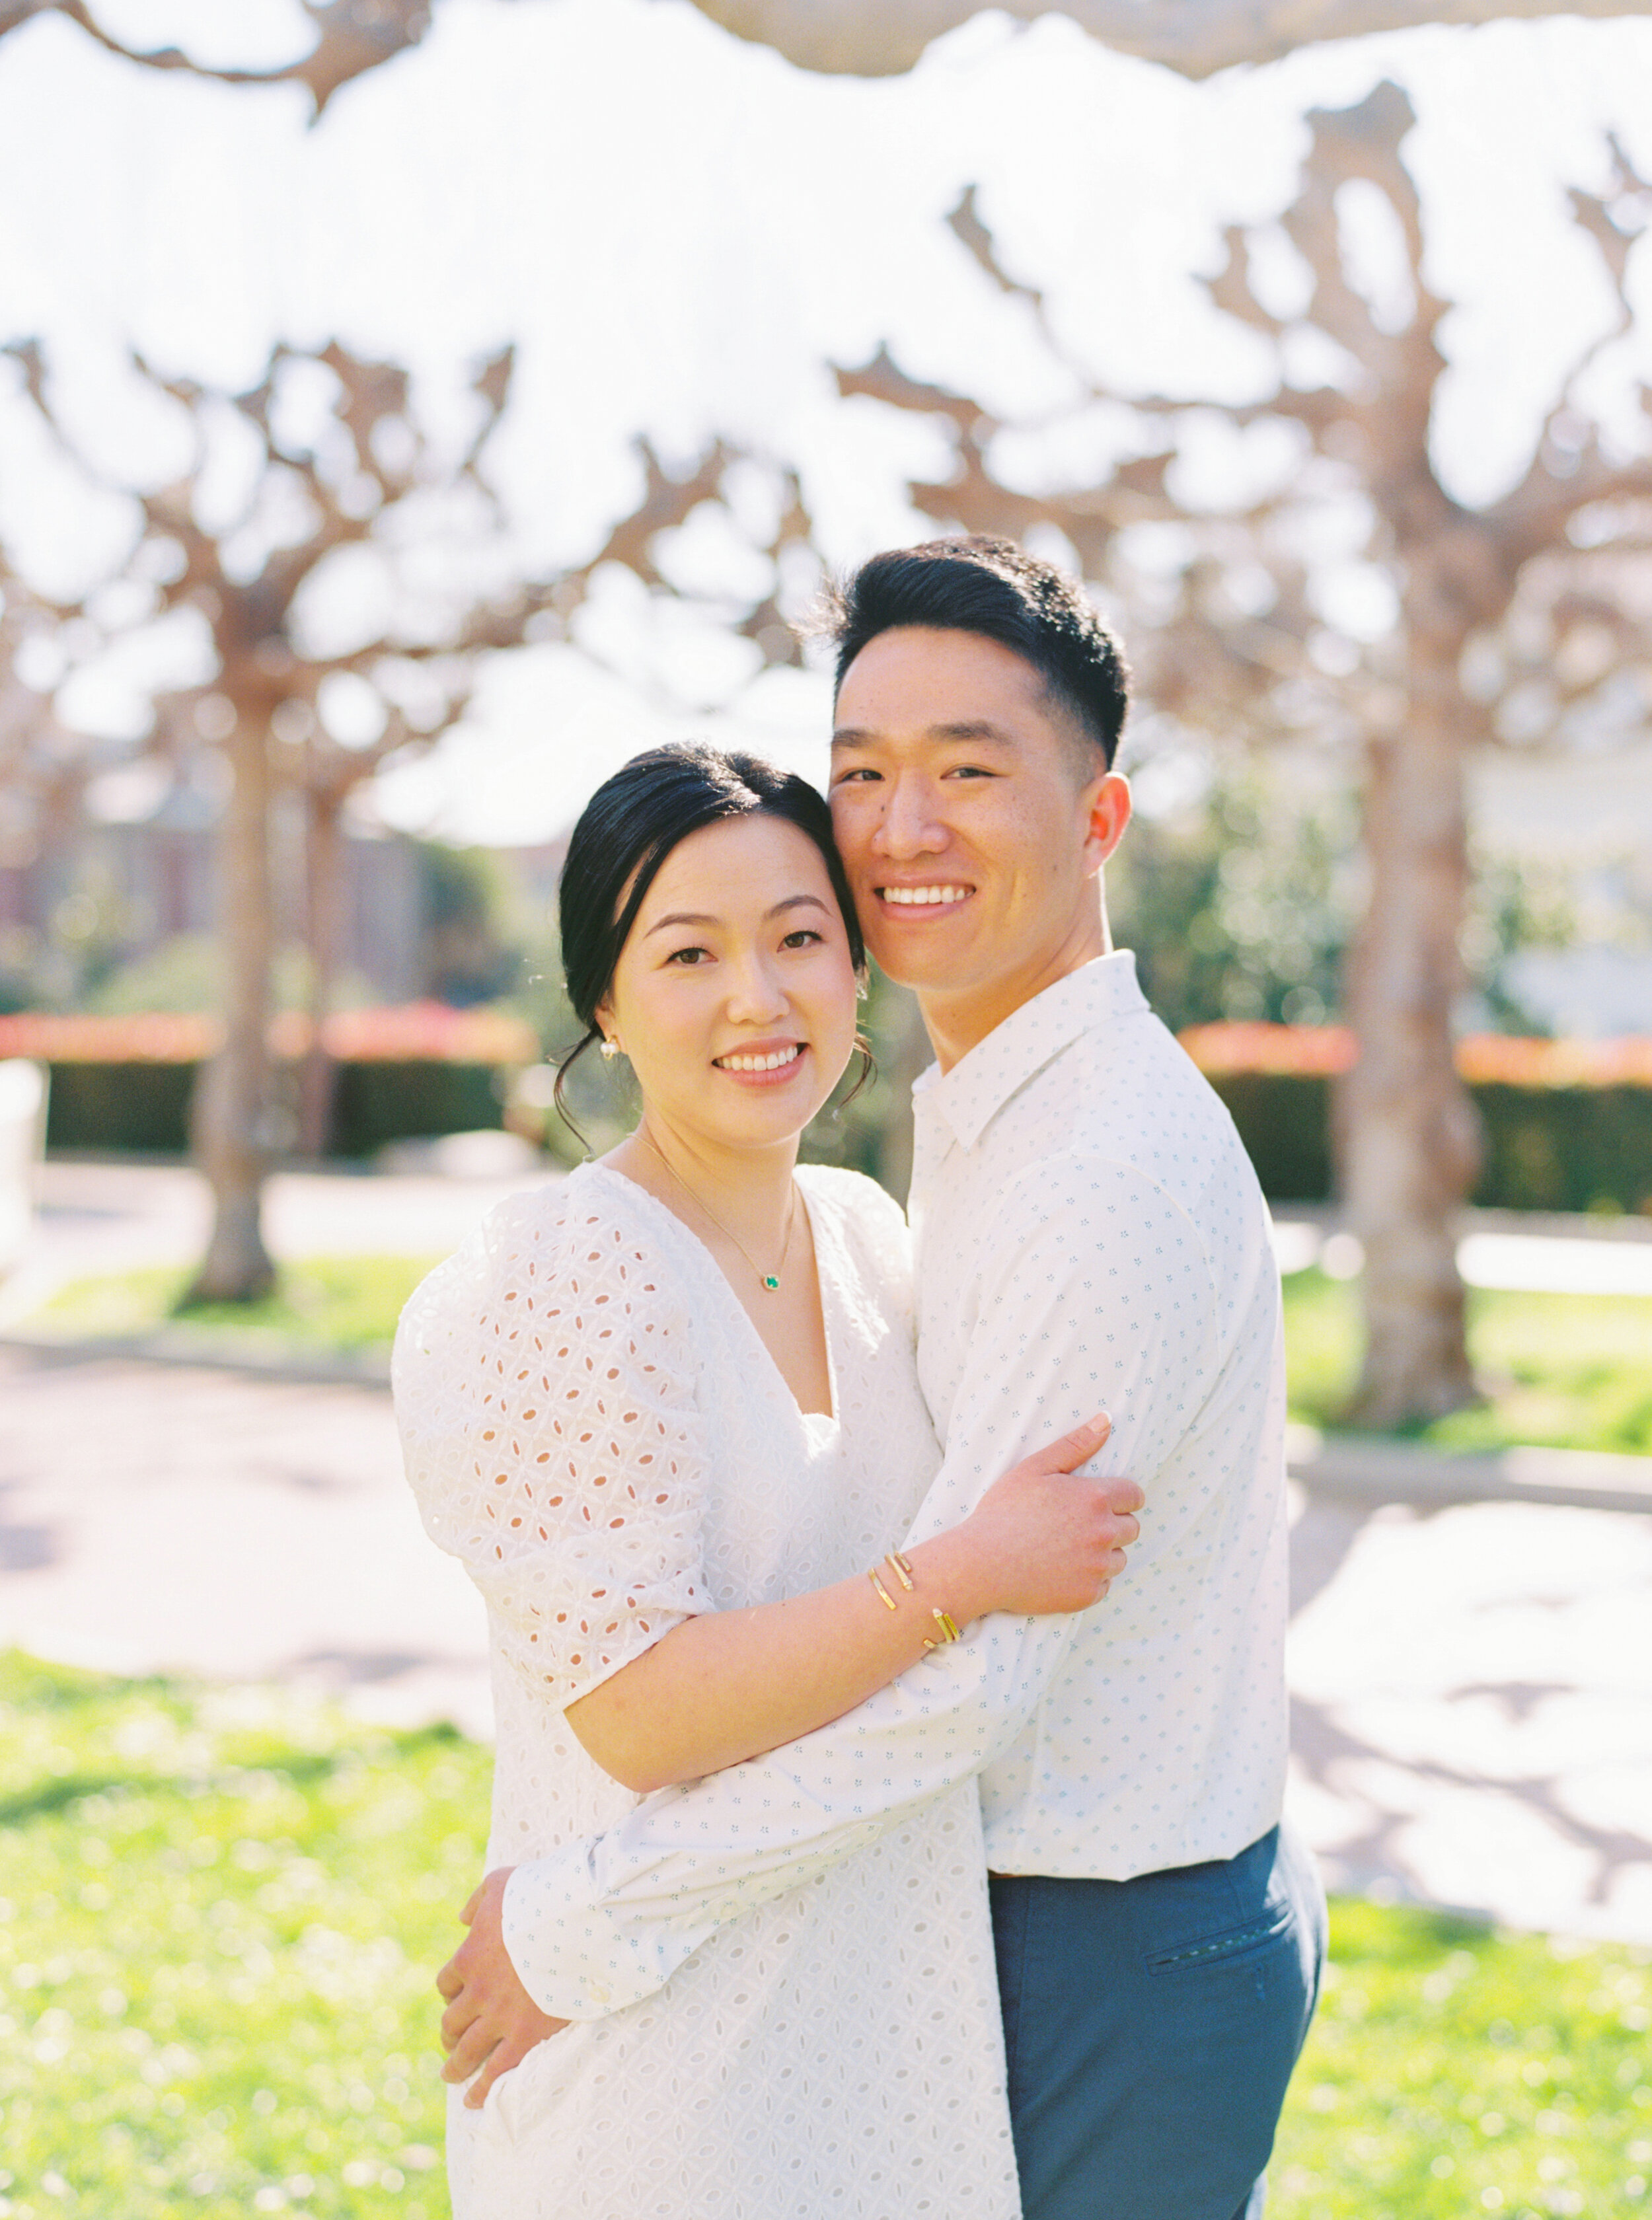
(605, 1921)
(721, 1688)
(725, 1686)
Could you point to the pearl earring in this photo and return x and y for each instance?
(610, 1048)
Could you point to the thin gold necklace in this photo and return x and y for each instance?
(769, 1281)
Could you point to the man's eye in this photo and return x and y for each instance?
(861, 775)
(968, 771)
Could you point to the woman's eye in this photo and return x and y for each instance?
(805, 937)
(689, 957)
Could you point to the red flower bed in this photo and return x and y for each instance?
(1307, 1051)
(427, 1032)
(1484, 1059)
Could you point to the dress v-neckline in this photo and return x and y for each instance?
(810, 1420)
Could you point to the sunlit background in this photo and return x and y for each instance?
(375, 479)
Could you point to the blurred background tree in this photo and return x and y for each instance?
(1347, 599)
(1333, 603)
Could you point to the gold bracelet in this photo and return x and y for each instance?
(883, 1595)
(948, 1628)
(902, 1568)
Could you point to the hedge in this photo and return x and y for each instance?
(1566, 1124)
(127, 1084)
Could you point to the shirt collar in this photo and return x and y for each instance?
(979, 1085)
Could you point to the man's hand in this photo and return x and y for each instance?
(491, 2022)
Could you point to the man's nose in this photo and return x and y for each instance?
(909, 825)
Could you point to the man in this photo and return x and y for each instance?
(1089, 1233)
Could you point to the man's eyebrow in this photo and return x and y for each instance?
(963, 729)
(702, 917)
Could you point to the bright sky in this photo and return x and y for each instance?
(680, 231)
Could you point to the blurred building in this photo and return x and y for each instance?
(99, 894)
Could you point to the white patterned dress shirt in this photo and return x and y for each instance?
(1090, 1235)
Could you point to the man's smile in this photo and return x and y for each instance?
(938, 896)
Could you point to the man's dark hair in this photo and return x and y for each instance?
(994, 588)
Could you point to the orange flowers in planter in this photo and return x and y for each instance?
(1483, 1059)
(416, 1033)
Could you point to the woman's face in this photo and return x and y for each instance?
(734, 995)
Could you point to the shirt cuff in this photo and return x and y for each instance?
(572, 1953)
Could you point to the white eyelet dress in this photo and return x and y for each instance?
(591, 1423)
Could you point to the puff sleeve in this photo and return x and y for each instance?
(546, 1398)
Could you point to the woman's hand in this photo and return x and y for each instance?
(491, 2022)
(1047, 1539)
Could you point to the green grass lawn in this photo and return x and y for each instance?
(223, 1910)
(336, 1304)
(1563, 1371)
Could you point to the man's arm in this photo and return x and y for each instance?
(605, 1922)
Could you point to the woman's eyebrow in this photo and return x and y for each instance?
(680, 917)
(700, 917)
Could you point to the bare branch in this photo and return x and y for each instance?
(491, 384)
(353, 36)
(374, 393)
(666, 501)
(1233, 289)
(881, 379)
(1196, 38)
(967, 227)
(1535, 515)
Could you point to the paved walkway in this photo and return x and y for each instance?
(1469, 1679)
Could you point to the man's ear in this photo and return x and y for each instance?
(1108, 800)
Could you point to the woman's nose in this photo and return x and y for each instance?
(755, 991)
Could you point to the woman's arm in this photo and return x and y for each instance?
(726, 1686)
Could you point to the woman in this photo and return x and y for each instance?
(668, 1417)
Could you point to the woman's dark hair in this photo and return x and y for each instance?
(631, 824)
(992, 586)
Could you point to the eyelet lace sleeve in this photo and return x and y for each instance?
(544, 1395)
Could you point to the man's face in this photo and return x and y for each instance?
(972, 824)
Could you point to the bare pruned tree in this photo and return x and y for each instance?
(878, 38)
(1230, 636)
(344, 597)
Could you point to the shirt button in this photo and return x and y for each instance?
(597, 1993)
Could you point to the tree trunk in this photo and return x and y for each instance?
(323, 893)
(235, 1112)
(1409, 1137)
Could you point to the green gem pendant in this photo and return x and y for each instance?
(771, 1282)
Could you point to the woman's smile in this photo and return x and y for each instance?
(765, 1063)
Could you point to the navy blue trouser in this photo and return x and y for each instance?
(1151, 2026)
